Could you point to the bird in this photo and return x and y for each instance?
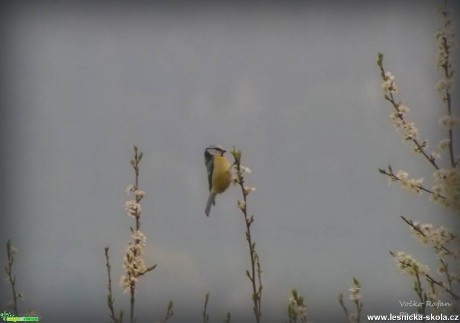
(219, 173)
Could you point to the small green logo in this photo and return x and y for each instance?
(8, 317)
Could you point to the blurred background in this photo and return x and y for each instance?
(292, 84)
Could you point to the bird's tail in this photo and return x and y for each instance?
(211, 201)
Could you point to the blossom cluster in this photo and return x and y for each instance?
(408, 265)
(409, 184)
(397, 117)
(445, 42)
(444, 85)
(444, 144)
(437, 237)
(133, 262)
(389, 85)
(355, 291)
(133, 208)
(448, 121)
(355, 297)
(447, 188)
(296, 308)
(409, 131)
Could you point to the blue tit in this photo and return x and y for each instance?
(219, 173)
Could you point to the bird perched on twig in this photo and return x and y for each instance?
(219, 173)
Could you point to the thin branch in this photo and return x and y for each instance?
(255, 274)
(169, 312)
(390, 98)
(342, 304)
(10, 251)
(110, 299)
(430, 279)
(412, 224)
(205, 309)
(448, 290)
(395, 178)
(448, 74)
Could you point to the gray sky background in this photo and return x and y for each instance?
(295, 86)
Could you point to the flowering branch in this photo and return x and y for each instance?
(437, 238)
(355, 297)
(410, 132)
(409, 184)
(133, 262)
(408, 265)
(446, 41)
(441, 284)
(446, 180)
(446, 186)
(255, 274)
(296, 308)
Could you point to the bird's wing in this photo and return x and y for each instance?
(210, 168)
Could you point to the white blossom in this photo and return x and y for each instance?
(389, 86)
(448, 121)
(408, 265)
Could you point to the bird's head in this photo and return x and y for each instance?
(214, 150)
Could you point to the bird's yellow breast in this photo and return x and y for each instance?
(221, 176)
